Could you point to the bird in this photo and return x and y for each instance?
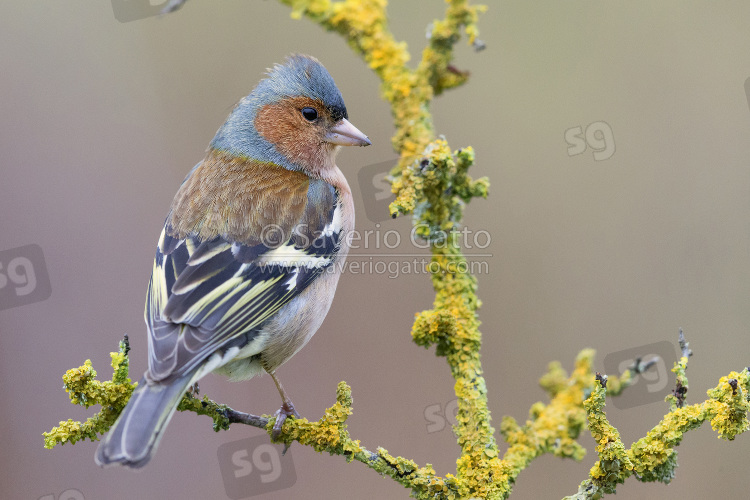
(250, 254)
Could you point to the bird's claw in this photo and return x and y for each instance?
(286, 410)
(194, 390)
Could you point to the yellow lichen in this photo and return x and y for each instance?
(83, 388)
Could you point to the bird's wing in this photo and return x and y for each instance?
(206, 295)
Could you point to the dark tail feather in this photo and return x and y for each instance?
(136, 434)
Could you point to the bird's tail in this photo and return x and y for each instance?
(136, 434)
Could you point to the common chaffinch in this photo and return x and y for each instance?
(251, 252)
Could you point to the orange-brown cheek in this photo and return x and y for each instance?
(283, 126)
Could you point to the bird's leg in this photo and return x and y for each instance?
(286, 410)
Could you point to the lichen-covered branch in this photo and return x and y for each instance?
(653, 457)
(551, 428)
(83, 388)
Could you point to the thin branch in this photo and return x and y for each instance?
(653, 457)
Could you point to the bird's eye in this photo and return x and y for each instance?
(310, 114)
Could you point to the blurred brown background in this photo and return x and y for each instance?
(100, 120)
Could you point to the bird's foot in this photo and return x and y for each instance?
(286, 410)
(193, 391)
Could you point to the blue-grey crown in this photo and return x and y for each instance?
(300, 75)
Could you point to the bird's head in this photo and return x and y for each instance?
(295, 117)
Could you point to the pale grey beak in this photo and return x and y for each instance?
(346, 134)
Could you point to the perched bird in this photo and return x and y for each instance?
(248, 261)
